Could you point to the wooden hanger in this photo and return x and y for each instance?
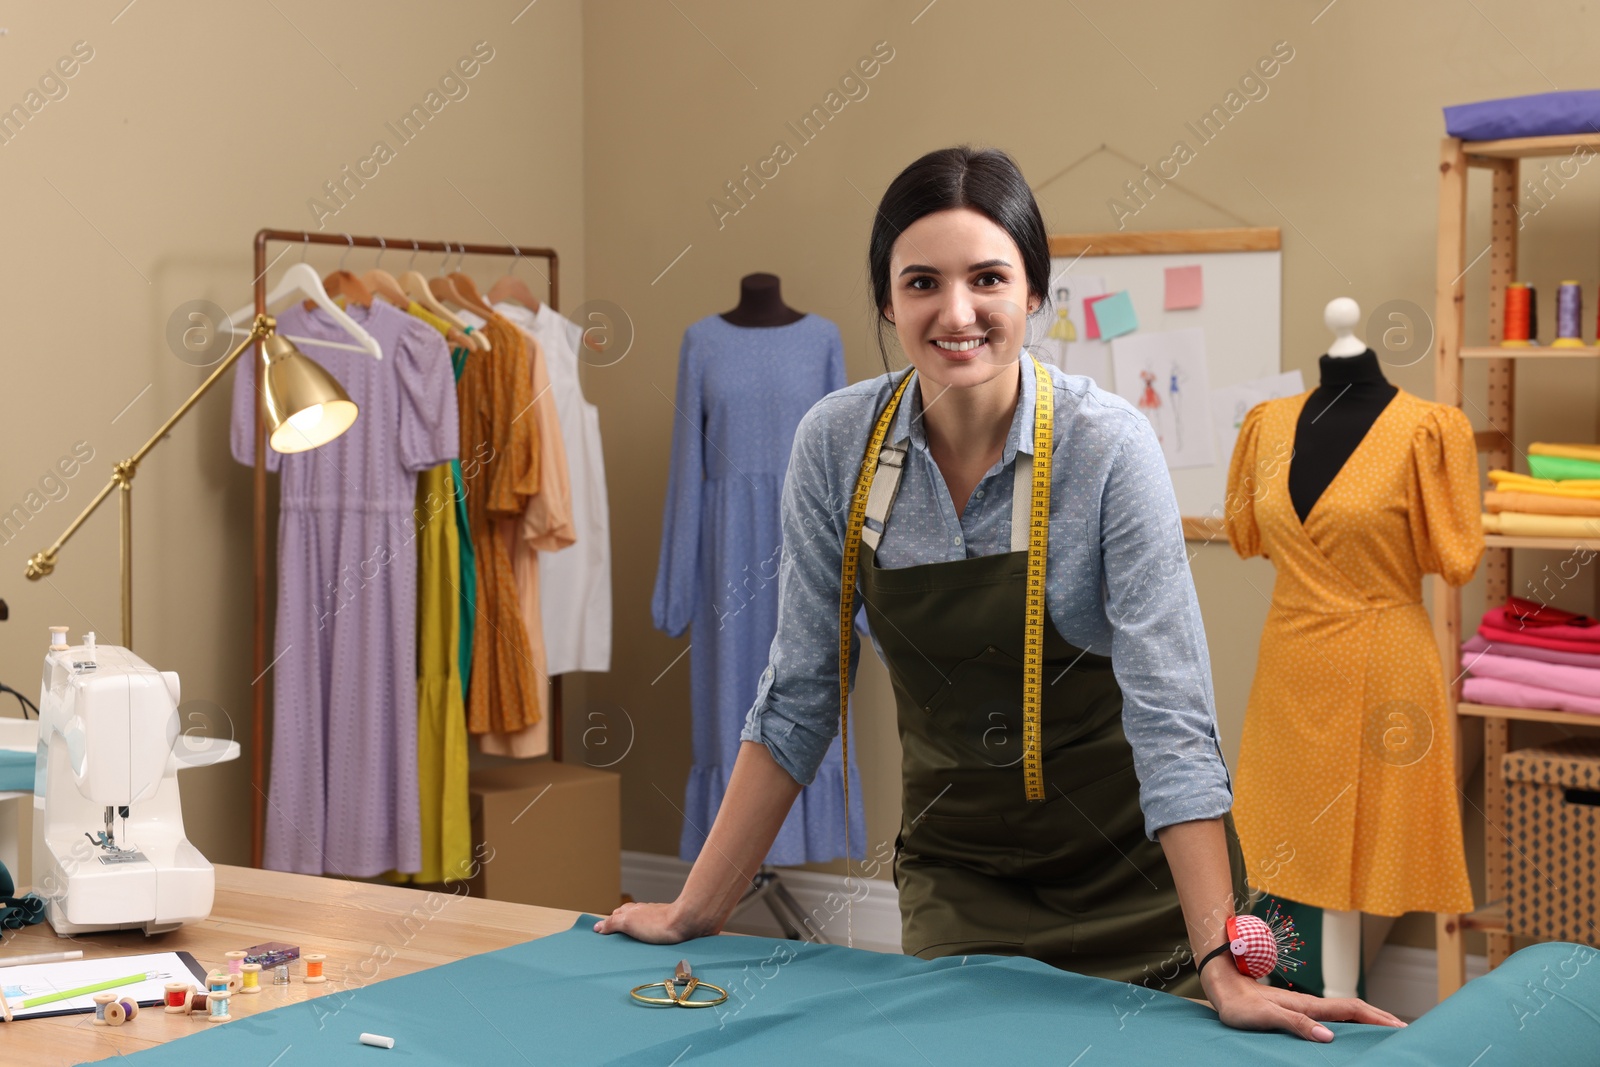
(467, 289)
(513, 288)
(382, 283)
(341, 282)
(416, 287)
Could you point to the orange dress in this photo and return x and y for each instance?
(1345, 796)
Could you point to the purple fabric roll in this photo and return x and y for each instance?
(1539, 115)
(1479, 644)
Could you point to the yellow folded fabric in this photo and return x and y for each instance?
(1540, 503)
(1522, 524)
(1544, 448)
(1510, 481)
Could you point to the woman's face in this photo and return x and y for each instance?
(958, 297)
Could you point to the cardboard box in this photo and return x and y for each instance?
(1552, 822)
(548, 833)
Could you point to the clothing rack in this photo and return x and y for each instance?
(259, 662)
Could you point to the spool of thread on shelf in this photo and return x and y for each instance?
(252, 978)
(314, 973)
(235, 961)
(219, 1007)
(1569, 316)
(280, 974)
(101, 1002)
(177, 998)
(1518, 324)
(1533, 313)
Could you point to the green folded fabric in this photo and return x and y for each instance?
(16, 771)
(1560, 467)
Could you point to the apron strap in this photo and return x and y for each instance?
(880, 497)
(1021, 499)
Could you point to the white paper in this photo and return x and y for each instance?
(1078, 355)
(1230, 403)
(20, 983)
(1164, 376)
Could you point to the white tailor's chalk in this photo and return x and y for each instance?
(377, 1040)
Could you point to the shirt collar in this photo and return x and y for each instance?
(908, 419)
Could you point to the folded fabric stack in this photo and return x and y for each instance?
(1531, 655)
(1560, 498)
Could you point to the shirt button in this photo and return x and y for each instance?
(980, 494)
(958, 542)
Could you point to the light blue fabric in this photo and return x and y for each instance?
(1117, 579)
(564, 999)
(741, 392)
(16, 770)
(1538, 115)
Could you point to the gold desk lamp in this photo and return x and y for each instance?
(305, 407)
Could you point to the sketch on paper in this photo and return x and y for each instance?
(1230, 403)
(1164, 376)
(1066, 343)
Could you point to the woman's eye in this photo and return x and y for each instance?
(915, 282)
(999, 280)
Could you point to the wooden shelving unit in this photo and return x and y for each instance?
(1502, 160)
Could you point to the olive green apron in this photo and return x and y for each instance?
(1071, 880)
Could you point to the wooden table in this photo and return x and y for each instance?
(369, 933)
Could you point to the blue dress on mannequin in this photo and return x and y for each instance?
(741, 392)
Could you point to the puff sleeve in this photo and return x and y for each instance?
(430, 431)
(1244, 485)
(1442, 497)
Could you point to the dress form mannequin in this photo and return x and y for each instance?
(1338, 414)
(1352, 394)
(761, 303)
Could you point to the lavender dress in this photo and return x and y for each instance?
(343, 797)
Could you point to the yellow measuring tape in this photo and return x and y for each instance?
(1038, 543)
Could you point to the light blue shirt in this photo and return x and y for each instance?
(1117, 579)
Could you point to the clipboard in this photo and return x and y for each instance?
(18, 983)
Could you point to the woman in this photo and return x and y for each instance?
(1052, 853)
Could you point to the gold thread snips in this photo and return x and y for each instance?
(680, 990)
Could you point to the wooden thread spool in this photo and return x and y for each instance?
(177, 1002)
(102, 1001)
(197, 1002)
(116, 1013)
(252, 978)
(219, 1007)
(216, 981)
(314, 973)
(235, 960)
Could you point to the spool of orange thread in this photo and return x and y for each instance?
(1519, 316)
(314, 967)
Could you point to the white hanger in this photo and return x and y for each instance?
(301, 279)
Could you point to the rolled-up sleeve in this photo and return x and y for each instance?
(1158, 644)
(796, 709)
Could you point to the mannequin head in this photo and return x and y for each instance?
(958, 250)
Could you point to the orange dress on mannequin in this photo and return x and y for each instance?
(1345, 796)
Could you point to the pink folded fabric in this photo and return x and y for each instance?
(1580, 681)
(1478, 690)
(1538, 638)
(1478, 643)
(1547, 622)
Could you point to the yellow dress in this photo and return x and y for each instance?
(442, 754)
(1345, 796)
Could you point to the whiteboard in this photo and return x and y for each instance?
(1240, 315)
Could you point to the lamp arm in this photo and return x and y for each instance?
(44, 563)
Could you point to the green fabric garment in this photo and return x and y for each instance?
(1562, 467)
(564, 999)
(469, 560)
(16, 770)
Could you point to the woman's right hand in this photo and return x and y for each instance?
(655, 924)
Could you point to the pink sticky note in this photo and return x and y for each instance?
(1183, 287)
(1091, 328)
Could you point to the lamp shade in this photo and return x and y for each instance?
(305, 406)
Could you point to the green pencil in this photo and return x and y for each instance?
(81, 991)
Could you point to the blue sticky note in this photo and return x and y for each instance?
(1115, 315)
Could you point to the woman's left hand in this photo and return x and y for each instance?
(1245, 1004)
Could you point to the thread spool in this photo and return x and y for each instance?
(280, 974)
(314, 973)
(218, 1006)
(1533, 313)
(252, 978)
(1519, 323)
(216, 981)
(197, 1002)
(177, 997)
(1569, 316)
(102, 1001)
(129, 1005)
(116, 1013)
(235, 960)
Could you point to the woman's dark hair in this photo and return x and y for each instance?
(985, 180)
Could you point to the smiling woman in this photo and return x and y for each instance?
(1029, 509)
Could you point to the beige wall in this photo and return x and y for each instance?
(603, 131)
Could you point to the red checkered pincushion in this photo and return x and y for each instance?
(1254, 948)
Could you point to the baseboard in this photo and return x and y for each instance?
(1404, 980)
(871, 921)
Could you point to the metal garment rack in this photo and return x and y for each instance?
(259, 653)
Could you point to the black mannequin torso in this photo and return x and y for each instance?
(761, 304)
(1337, 415)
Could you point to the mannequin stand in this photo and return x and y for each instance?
(767, 885)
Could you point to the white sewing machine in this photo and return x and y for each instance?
(109, 852)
